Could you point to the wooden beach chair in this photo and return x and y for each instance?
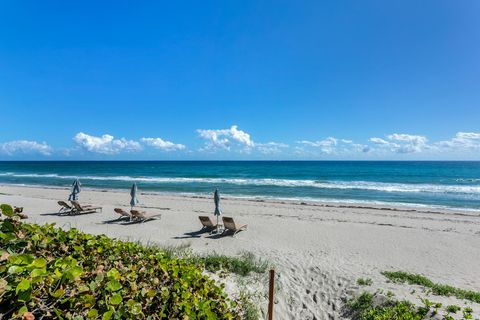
(79, 209)
(142, 216)
(18, 211)
(64, 207)
(123, 213)
(230, 226)
(207, 223)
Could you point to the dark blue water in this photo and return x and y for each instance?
(446, 184)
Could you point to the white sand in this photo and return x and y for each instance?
(318, 250)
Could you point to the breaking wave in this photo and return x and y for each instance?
(289, 183)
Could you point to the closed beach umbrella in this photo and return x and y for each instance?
(75, 191)
(216, 199)
(133, 194)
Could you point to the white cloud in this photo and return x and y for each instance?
(106, 144)
(403, 143)
(333, 145)
(325, 143)
(380, 141)
(462, 140)
(271, 147)
(225, 138)
(161, 144)
(25, 146)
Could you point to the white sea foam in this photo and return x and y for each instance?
(292, 183)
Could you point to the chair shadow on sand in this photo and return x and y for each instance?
(219, 235)
(211, 234)
(193, 234)
(113, 220)
(60, 214)
(121, 222)
(64, 214)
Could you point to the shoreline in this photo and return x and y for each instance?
(352, 204)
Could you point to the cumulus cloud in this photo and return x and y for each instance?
(235, 139)
(161, 144)
(26, 147)
(462, 140)
(105, 144)
(225, 138)
(402, 143)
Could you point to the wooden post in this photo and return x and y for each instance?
(270, 294)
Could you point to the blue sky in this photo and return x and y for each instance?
(240, 80)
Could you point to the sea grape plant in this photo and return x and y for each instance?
(47, 272)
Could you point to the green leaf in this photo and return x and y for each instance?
(22, 310)
(151, 293)
(9, 236)
(116, 299)
(39, 263)
(58, 293)
(38, 272)
(7, 210)
(58, 313)
(107, 315)
(25, 296)
(136, 308)
(113, 285)
(23, 285)
(21, 259)
(113, 274)
(74, 273)
(15, 269)
(92, 314)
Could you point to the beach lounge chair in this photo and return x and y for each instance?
(64, 207)
(142, 216)
(18, 211)
(123, 213)
(230, 226)
(79, 209)
(207, 223)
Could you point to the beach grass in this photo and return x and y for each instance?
(363, 308)
(242, 265)
(436, 288)
(368, 306)
(364, 281)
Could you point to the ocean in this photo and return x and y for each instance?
(443, 184)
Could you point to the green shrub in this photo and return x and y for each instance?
(364, 281)
(72, 275)
(453, 308)
(243, 265)
(437, 289)
(363, 308)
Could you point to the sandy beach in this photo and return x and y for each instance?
(318, 250)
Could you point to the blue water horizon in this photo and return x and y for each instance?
(447, 184)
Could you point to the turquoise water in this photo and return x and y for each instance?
(445, 184)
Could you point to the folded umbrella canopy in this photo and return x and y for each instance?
(75, 191)
(216, 199)
(133, 194)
